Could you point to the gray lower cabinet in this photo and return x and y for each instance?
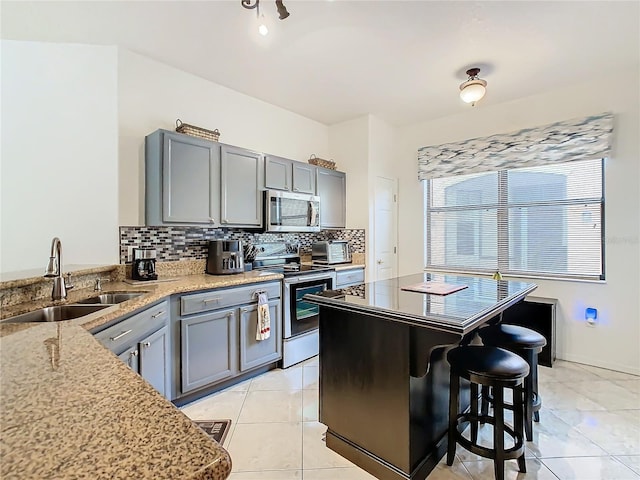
(217, 331)
(142, 342)
(347, 278)
(332, 190)
(130, 357)
(182, 180)
(254, 353)
(289, 175)
(153, 366)
(242, 183)
(208, 348)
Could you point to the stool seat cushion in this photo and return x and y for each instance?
(487, 362)
(505, 335)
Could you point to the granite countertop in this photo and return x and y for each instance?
(457, 312)
(71, 409)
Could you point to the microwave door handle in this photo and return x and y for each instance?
(313, 214)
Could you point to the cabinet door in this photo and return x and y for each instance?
(154, 360)
(277, 173)
(242, 183)
(332, 190)
(304, 178)
(254, 353)
(190, 180)
(208, 348)
(130, 357)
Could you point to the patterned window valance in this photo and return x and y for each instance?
(578, 139)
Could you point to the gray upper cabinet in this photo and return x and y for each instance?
(304, 178)
(182, 180)
(289, 175)
(277, 173)
(242, 183)
(332, 190)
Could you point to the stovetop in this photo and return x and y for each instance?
(288, 269)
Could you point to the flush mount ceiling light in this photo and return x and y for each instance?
(262, 28)
(474, 88)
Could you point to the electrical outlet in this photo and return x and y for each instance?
(130, 254)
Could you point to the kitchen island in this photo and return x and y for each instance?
(384, 379)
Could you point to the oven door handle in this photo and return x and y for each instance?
(308, 278)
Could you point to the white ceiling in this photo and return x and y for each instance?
(336, 60)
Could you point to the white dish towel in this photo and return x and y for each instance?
(264, 320)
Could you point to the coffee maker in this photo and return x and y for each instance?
(144, 264)
(225, 256)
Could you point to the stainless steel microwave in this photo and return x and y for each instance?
(291, 212)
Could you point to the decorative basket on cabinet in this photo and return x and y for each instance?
(321, 162)
(197, 131)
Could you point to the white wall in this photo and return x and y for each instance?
(349, 146)
(613, 343)
(59, 154)
(153, 95)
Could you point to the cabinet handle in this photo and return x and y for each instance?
(212, 220)
(161, 312)
(146, 344)
(213, 299)
(131, 355)
(244, 310)
(296, 189)
(117, 337)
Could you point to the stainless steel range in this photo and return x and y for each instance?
(300, 319)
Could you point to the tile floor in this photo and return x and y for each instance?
(589, 429)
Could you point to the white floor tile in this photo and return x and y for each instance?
(315, 453)
(590, 468)
(266, 446)
(589, 428)
(268, 475)
(287, 379)
(272, 406)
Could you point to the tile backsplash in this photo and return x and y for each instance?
(191, 243)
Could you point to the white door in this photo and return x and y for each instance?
(386, 228)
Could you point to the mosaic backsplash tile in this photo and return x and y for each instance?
(191, 243)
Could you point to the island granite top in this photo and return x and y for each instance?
(457, 312)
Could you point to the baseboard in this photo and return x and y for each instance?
(607, 365)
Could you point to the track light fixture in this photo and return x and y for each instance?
(251, 4)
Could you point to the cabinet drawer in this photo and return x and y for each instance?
(223, 298)
(349, 277)
(120, 335)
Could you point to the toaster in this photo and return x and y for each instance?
(331, 252)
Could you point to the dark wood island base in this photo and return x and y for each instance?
(384, 379)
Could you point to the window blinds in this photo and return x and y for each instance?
(535, 221)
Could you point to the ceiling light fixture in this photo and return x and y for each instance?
(474, 88)
(251, 4)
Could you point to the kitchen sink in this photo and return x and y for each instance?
(56, 313)
(110, 298)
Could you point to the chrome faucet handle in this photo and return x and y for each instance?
(97, 287)
(67, 282)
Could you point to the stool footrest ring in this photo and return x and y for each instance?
(509, 454)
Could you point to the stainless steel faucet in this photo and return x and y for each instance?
(54, 269)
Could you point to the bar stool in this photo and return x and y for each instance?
(491, 367)
(528, 344)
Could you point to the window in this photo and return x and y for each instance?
(538, 221)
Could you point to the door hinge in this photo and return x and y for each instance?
(395, 198)
(394, 249)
